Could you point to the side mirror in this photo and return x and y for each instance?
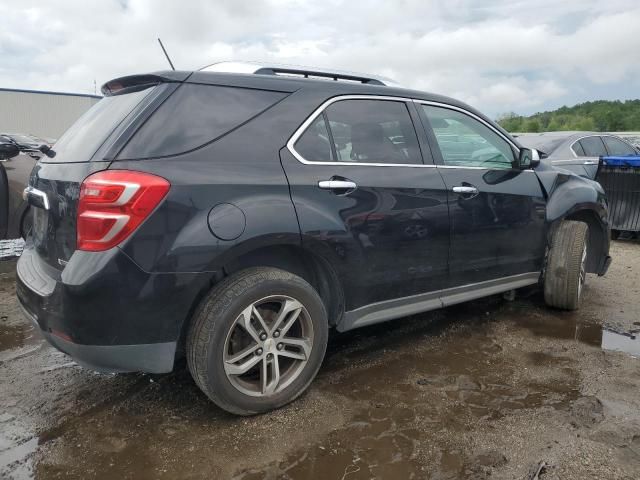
(8, 150)
(529, 158)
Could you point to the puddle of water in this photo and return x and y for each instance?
(555, 324)
(621, 342)
(573, 325)
(16, 336)
(18, 341)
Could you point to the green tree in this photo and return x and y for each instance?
(532, 125)
(599, 115)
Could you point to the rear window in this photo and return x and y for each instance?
(615, 146)
(83, 138)
(196, 115)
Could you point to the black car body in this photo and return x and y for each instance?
(343, 184)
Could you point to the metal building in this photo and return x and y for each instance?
(40, 113)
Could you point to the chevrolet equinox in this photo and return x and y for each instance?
(236, 217)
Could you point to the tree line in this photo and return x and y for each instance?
(598, 116)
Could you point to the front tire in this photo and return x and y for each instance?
(566, 269)
(257, 340)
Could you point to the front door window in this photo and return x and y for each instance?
(466, 142)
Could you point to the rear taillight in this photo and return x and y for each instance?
(113, 203)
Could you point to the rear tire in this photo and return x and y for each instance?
(257, 340)
(566, 266)
(615, 234)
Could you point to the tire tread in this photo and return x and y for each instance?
(561, 278)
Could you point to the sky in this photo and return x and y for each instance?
(518, 56)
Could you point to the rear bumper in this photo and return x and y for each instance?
(105, 312)
(152, 358)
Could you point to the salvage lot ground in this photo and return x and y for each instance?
(486, 389)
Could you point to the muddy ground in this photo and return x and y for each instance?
(495, 389)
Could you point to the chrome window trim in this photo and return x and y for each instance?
(302, 128)
(596, 135)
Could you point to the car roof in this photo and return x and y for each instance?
(286, 83)
(291, 84)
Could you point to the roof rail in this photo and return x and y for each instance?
(259, 68)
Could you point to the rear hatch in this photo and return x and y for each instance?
(85, 148)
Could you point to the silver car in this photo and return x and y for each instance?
(579, 152)
(606, 158)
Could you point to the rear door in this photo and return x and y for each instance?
(497, 210)
(367, 201)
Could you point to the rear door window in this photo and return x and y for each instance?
(373, 131)
(593, 146)
(314, 145)
(578, 150)
(196, 115)
(362, 131)
(617, 147)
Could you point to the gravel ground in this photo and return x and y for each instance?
(489, 389)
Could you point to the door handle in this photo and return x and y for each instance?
(337, 185)
(466, 190)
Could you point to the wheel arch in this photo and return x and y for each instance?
(598, 242)
(291, 258)
(580, 199)
(299, 261)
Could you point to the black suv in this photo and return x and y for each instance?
(236, 218)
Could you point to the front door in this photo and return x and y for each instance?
(497, 210)
(367, 202)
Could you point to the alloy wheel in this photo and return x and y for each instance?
(268, 346)
(583, 270)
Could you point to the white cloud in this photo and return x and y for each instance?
(496, 55)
